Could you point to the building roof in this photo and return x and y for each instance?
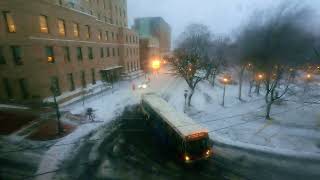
(184, 125)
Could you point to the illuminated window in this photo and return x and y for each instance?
(17, 55)
(61, 27)
(43, 24)
(99, 35)
(75, 29)
(87, 32)
(10, 22)
(49, 54)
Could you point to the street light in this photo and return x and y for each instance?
(155, 64)
(260, 77)
(55, 92)
(225, 81)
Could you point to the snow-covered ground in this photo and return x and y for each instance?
(295, 126)
(106, 106)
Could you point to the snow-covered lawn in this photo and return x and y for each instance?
(295, 125)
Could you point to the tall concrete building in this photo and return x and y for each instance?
(65, 44)
(155, 27)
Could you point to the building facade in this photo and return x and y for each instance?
(155, 27)
(63, 44)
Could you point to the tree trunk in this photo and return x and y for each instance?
(224, 94)
(190, 96)
(268, 110)
(213, 80)
(240, 83)
(250, 88)
(257, 90)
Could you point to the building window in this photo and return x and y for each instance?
(11, 27)
(7, 87)
(83, 79)
(79, 53)
(43, 21)
(2, 59)
(50, 54)
(99, 35)
(17, 55)
(113, 52)
(87, 32)
(61, 27)
(101, 53)
(75, 30)
(54, 86)
(67, 57)
(24, 88)
(118, 51)
(108, 52)
(93, 74)
(112, 35)
(60, 2)
(107, 35)
(71, 82)
(90, 53)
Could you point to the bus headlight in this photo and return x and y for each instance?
(187, 158)
(208, 152)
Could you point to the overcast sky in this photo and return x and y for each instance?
(222, 16)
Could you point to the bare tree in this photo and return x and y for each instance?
(275, 45)
(191, 61)
(217, 57)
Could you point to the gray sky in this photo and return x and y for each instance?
(222, 16)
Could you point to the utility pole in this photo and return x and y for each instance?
(224, 94)
(56, 106)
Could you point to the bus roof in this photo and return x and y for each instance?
(184, 125)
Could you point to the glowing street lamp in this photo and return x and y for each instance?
(225, 81)
(309, 76)
(260, 76)
(155, 64)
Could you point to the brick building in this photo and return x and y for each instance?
(66, 44)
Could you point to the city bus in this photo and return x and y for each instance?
(188, 140)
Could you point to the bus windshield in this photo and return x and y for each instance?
(198, 146)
